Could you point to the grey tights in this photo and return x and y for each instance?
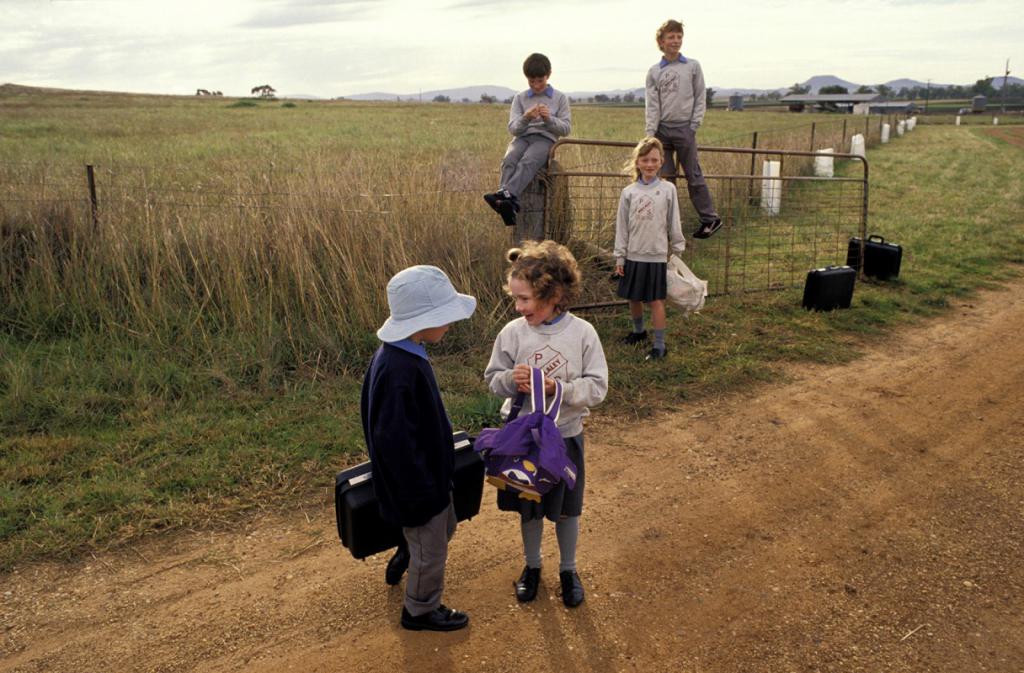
(567, 530)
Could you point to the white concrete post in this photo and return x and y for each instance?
(995, 121)
(857, 144)
(885, 133)
(823, 164)
(958, 120)
(901, 128)
(771, 189)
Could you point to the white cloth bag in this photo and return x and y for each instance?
(685, 291)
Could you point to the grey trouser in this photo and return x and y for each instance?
(524, 157)
(682, 142)
(428, 553)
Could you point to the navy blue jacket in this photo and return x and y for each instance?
(408, 436)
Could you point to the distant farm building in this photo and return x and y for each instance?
(828, 102)
(735, 102)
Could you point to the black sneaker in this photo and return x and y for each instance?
(657, 353)
(572, 588)
(397, 566)
(526, 585)
(707, 229)
(439, 619)
(634, 338)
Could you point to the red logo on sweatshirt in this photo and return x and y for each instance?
(552, 363)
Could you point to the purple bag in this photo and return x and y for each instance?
(528, 453)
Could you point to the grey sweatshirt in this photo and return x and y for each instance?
(558, 125)
(569, 351)
(647, 225)
(674, 96)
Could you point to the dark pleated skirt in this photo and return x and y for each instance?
(559, 501)
(643, 281)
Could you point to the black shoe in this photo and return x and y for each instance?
(526, 585)
(634, 338)
(439, 619)
(707, 229)
(493, 200)
(572, 588)
(397, 566)
(507, 209)
(657, 353)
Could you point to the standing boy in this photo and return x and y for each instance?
(539, 116)
(409, 438)
(675, 105)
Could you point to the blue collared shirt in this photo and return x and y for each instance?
(411, 346)
(555, 319)
(664, 61)
(549, 92)
(644, 182)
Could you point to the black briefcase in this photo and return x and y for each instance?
(829, 288)
(360, 527)
(881, 259)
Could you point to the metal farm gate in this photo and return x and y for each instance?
(761, 246)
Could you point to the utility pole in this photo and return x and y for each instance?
(1002, 107)
(927, 95)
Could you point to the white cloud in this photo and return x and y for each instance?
(336, 47)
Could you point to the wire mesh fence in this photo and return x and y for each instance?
(299, 232)
(775, 228)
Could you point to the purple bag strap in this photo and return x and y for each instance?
(538, 396)
(537, 388)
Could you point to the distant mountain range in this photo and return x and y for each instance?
(473, 93)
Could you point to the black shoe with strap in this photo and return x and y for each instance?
(439, 619)
(526, 585)
(634, 338)
(657, 353)
(572, 588)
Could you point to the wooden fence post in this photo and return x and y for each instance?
(93, 201)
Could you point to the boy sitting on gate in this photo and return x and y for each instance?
(539, 117)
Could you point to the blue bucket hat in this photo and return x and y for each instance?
(422, 297)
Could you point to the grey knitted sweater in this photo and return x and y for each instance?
(558, 125)
(647, 225)
(674, 96)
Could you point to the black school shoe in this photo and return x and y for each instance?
(634, 338)
(439, 619)
(397, 566)
(507, 209)
(493, 200)
(707, 229)
(656, 354)
(572, 588)
(526, 585)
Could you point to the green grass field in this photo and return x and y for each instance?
(199, 352)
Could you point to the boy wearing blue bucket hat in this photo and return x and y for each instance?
(409, 439)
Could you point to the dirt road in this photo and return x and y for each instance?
(858, 518)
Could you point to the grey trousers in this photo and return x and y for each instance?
(428, 553)
(682, 142)
(524, 157)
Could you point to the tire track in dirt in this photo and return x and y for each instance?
(862, 517)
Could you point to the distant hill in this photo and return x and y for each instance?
(580, 95)
(820, 81)
(1010, 81)
(471, 93)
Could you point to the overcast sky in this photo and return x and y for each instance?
(333, 48)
